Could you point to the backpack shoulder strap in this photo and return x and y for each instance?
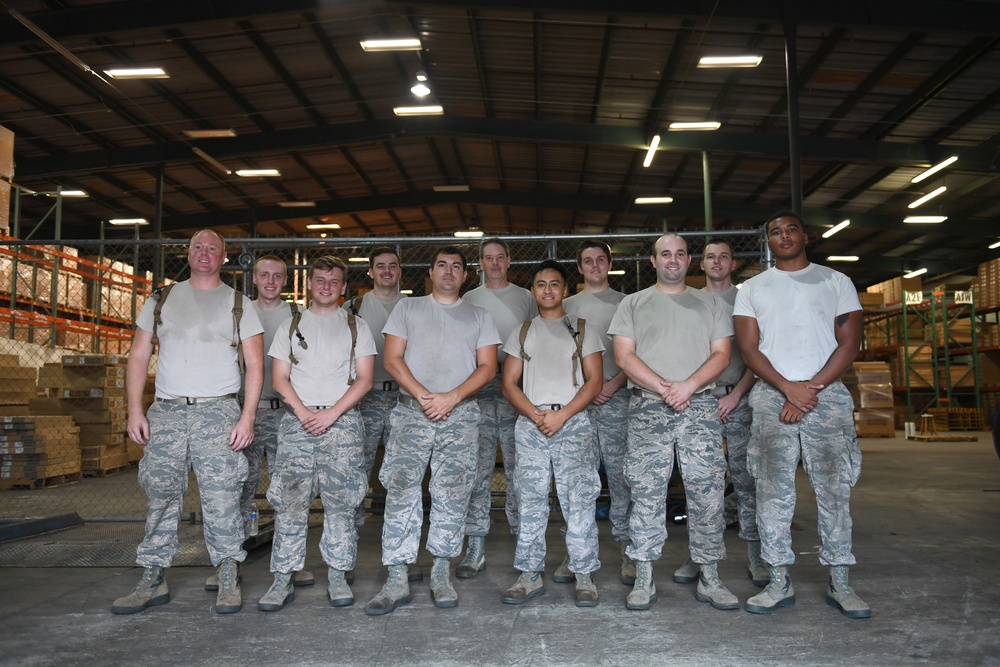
(237, 341)
(352, 324)
(520, 339)
(161, 297)
(354, 305)
(293, 330)
(581, 327)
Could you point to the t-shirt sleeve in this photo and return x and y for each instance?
(280, 346)
(365, 345)
(488, 334)
(622, 324)
(847, 296)
(396, 324)
(722, 324)
(743, 305)
(513, 345)
(145, 319)
(250, 322)
(593, 341)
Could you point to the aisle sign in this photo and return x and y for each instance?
(964, 296)
(914, 298)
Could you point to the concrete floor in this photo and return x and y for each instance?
(927, 538)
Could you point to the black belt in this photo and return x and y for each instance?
(723, 390)
(411, 402)
(269, 403)
(550, 406)
(194, 400)
(389, 385)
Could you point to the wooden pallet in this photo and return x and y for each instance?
(44, 483)
(940, 437)
(104, 472)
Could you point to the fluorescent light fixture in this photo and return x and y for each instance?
(426, 110)
(451, 188)
(250, 173)
(842, 258)
(376, 45)
(681, 127)
(211, 160)
(926, 198)
(68, 193)
(924, 219)
(914, 274)
(358, 260)
(296, 204)
(652, 151)
(420, 90)
(209, 134)
(137, 73)
(654, 200)
(469, 234)
(421, 75)
(730, 61)
(616, 272)
(836, 228)
(933, 170)
(325, 225)
(995, 245)
(128, 222)
(406, 291)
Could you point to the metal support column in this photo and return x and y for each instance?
(706, 177)
(794, 145)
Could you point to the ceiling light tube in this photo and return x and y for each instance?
(128, 222)
(681, 127)
(914, 274)
(652, 150)
(137, 73)
(209, 134)
(926, 198)
(211, 160)
(836, 228)
(325, 225)
(358, 260)
(468, 234)
(297, 204)
(933, 170)
(420, 90)
(451, 188)
(251, 173)
(730, 61)
(924, 219)
(616, 272)
(376, 45)
(995, 245)
(654, 200)
(68, 193)
(427, 110)
(842, 258)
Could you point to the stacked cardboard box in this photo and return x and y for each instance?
(892, 290)
(17, 384)
(91, 390)
(38, 451)
(871, 385)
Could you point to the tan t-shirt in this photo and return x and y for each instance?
(320, 377)
(673, 333)
(375, 311)
(548, 376)
(441, 339)
(734, 371)
(510, 307)
(598, 308)
(271, 319)
(197, 357)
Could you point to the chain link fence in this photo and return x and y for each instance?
(66, 315)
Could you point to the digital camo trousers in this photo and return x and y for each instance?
(496, 423)
(198, 435)
(830, 455)
(375, 408)
(736, 431)
(332, 462)
(655, 431)
(265, 439)
(450, 448)
(610, 424)
(569, 456)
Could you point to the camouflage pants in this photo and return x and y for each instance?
(829, 448)
(198, 435)
(736, 431)
(569, 456)
(332, 462)
(265, 438)
(496, 422)
(450, 448)
(655, 431)
(375, 408)
(610, 424)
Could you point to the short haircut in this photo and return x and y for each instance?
(783, 214)
(494, 240)
(592, 243)
(328, 263)
(718, 240)
(668, 235)
(214, 233)
(381, 250)
(271, 258)
(547, 264)
(448, 250)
